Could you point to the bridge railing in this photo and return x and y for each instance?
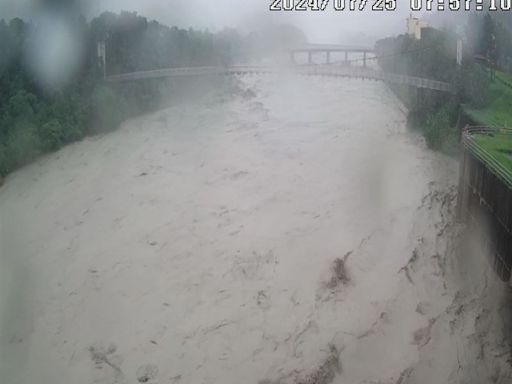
(166, 72)
(321, 70)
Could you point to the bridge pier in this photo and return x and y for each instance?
(102, 57)
(328, 49)
(419, 96)
(292, 57)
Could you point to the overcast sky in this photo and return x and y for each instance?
(322, 27)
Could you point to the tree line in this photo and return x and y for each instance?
(487, 45)
(36, 119)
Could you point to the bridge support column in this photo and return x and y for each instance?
(346, 56)
(364, 59)
(102, 57)
(328, 57)
(310, 57)
(419, 96)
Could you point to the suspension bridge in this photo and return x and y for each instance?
(342, 69)
(304, 70)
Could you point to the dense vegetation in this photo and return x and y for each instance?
(434, 57)
(487, 46)
(498, 111)
(490, 37)
(37, 116)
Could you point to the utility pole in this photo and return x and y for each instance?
(102, 57)
(493, 57)
(459, 52)
(459, 32)
(292, 57)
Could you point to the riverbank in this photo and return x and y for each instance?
(43, 108)
(495, 140)
(263, 236)
(497, 113)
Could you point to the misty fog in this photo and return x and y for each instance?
(211, 192)
(326, 27)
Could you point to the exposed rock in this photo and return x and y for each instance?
(339, 272)
(147, 372)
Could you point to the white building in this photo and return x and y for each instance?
(414, 26)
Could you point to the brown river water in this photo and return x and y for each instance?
(292, 231)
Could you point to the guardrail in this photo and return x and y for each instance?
(468, 141)
(503, 81)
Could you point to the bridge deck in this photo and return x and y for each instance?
(309, 70)
(331, 48)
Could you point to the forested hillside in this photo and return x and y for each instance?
(36, 117)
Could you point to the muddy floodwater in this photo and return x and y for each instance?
(288, 231)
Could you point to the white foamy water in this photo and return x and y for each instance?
(196, 245)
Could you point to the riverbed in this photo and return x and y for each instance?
(289, 231)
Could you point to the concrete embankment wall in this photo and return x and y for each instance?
(485, 204)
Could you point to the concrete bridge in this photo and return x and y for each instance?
(327, 50)
(305, 70)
